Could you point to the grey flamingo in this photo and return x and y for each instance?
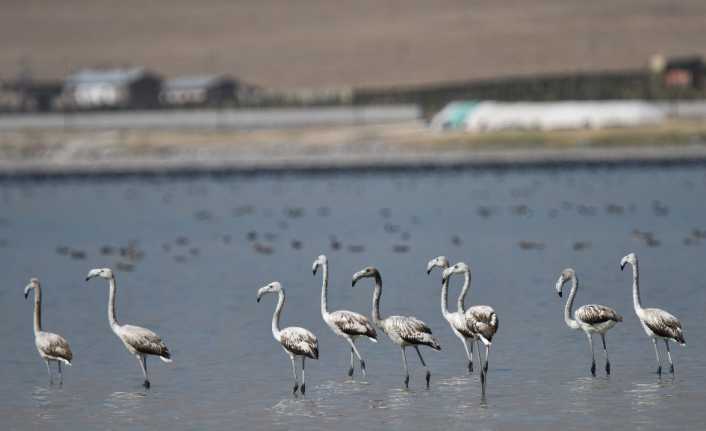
(295, 341)
(591, 318)
(139, 341)
(51, 347)
(402, 330)
(657, 323)
(346, 324)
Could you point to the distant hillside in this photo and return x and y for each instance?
(330, 43)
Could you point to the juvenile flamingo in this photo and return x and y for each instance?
(295, 341)
(346, 324)
(402, 330)
(657, 323)
(139, 341)
(51, 347)
(591, 318)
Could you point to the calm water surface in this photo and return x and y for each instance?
(194, 252)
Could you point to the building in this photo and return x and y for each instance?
(685, 72)
(133, 88)
(199, 91)
(29, 95)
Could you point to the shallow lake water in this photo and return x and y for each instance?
(190, 254)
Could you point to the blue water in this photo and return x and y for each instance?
(198, 249)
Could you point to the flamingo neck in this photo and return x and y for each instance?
(324, 291)
(275, 317)
(376, 300)
(445, 298)
(570, 322)
(112, 287)
(464, 291)
(37, 310)
(636, 288)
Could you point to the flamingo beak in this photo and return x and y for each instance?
(622, 266)
(26, 295)
(559, 292)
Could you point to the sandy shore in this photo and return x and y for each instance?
(402, 145)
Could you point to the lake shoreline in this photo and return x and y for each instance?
(408, 145)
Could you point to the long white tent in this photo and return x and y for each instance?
(475, 116)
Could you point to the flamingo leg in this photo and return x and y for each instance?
(360, 358)
(303, 387)
(659, 361)
(61, 375)
(468, 354)
(51, 380)
(423, 364)
(143, 364)
(605, 350)
(482, 366)
(350, 370)
(294, 373)
(593, 356)
(669, 356)
(406, 370)
(487, 353)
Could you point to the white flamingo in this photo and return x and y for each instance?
(657, 323)
(457, 320)
(295, 341)
(345, 324)
(139, 341)
(51, 347)
(402, 330)
(482, 320)
(591, 318)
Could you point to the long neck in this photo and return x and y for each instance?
(445, 298)
(37, 309)
(464, 291)
(324, 291)
(636, 288)
(570, 304)
(111, 303)
(376, 300)
(276, 315)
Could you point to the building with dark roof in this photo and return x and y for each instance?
(201, 90)
(133, 88)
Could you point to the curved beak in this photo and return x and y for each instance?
(559, 293)
(622, 265)
(27, 289)
(446, 274)
(258, 299)
(357, 276)
(88, 278)
(26, 295)
(314, 268)
(428, 271)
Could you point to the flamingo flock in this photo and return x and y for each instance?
(475, 326)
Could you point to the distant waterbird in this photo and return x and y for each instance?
(657, 323)
(139, 341)
(481, 320)
(296, 341)
(591, 318)
(402, 330)
(51, 347)
(346, 324)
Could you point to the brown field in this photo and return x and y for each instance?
(330, 43)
